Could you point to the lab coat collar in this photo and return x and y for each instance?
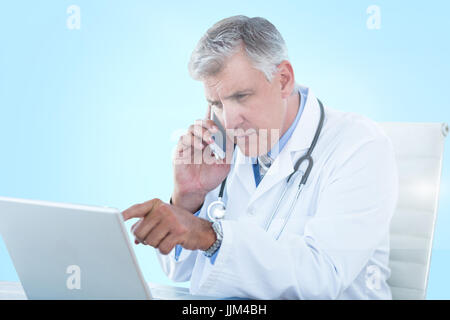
(283, 164)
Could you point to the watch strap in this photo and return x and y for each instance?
(217, 227)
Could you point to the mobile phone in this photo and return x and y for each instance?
(219, 146)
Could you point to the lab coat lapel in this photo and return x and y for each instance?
(296, 146)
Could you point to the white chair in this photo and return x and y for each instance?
(419, 148)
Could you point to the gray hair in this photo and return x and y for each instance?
(263, 44)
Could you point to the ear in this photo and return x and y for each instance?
(287, 80)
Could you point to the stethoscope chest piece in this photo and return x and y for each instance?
(216, 210)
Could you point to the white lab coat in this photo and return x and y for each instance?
(336, 243)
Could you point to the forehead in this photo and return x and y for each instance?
(237, 74)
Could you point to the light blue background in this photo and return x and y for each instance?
(90, 116)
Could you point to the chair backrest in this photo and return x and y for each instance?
(419, 148)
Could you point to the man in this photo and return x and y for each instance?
(335, 243)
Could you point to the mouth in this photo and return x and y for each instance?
(249, 133)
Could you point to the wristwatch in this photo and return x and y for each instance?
(217, 227)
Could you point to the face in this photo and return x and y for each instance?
(247, 103)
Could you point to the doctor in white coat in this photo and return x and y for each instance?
(335, 243)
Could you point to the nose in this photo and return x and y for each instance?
(232, 118)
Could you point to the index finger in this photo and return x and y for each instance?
(140, 210)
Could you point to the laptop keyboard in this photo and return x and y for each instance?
(169, 292)
(174, 293)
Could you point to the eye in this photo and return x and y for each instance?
(240, 96)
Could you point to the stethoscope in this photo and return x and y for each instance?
(216, 210)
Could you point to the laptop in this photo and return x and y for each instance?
(68, 251)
